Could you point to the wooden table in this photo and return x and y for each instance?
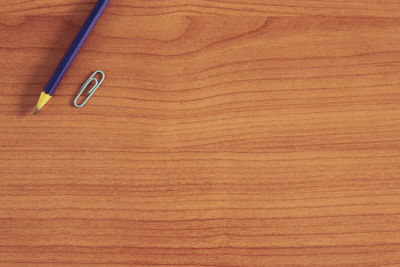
(256, 137)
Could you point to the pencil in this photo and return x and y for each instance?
(72, 52)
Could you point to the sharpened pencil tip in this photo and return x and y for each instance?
(36, 111)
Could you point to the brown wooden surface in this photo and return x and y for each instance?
(376, 8)
(249, 140)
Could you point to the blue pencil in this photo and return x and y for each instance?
(69, 57)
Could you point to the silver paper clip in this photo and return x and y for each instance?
(91, 92)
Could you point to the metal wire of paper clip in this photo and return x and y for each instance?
(91, 92)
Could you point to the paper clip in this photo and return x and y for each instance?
(91, 92)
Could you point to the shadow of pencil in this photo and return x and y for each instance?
(63, 30)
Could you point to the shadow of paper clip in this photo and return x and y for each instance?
(93, 90)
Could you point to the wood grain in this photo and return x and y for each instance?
(375, 8)
(214, 141)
